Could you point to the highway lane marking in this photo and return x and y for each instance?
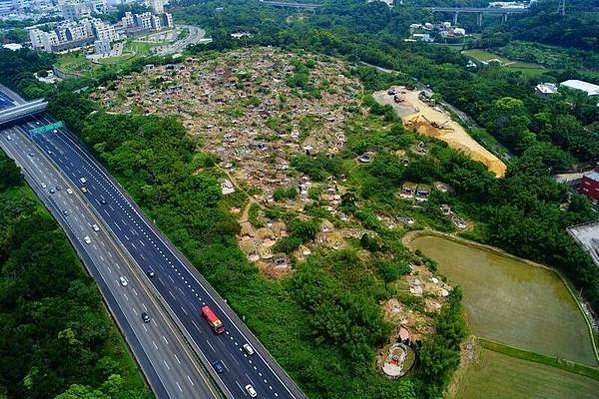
(249, 378)
(211, 347)
(109, 253)
(134, 291)
(184, 311)
(176, 357)
(145, 328)
(241, 389)
(155, 346)
(133, 244)
(190, 381)
(235, 360)
(144, 306)
(101, 257)
(126, 238)
(154, 321)
(117, 225)
(165, 340)
(169, 291)
(142, 243)
(118, 266)
(125, 295)
(196, 326)
(171, 278)
(225, 364)
(102, 243)
(178, 385)
(134, 311)
(167, 366)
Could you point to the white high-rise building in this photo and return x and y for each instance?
(128, 20)
(105, 32)
(144, 20)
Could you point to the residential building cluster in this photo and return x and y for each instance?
(71, 34)
(429, 32)
(80, 29)
(78, 9)
(146, 22)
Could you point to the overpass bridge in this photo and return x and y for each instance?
(479, 11)
(20, 111)
(299, 6)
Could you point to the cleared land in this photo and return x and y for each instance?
(513, 302)
(420, 116)
(499, 376)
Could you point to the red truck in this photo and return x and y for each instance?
(213, 320)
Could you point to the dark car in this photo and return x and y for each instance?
(151, 274)
(219, 367)
(145, 317)
(65, 212)
(52, 191)
(31, 154)
(103, 201)
(58, 188)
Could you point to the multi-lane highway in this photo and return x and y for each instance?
(170, 366)
(181, 287)
(178, 287)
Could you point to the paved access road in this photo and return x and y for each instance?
(170, 366)
(181, 287)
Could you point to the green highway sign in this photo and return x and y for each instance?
(47, 128)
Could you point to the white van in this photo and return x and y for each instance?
(247, 348)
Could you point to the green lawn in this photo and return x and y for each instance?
(513, 302)
(499, 376)
(526, 68)
(77, 63)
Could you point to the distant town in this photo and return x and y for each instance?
(78, 24)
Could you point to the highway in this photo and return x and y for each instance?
(182, 289)
(5, 101)
(169, 365)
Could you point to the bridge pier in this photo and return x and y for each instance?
(505, 17)
(479, 19)
(455, 17)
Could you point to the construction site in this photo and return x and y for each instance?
(419, 112)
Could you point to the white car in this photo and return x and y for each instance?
(123, 281)
(69, 191)
(83, 180)
(44, 185)
(87, 240)
(251, 391)
(247, 348)
(8, 138)
(95, 227)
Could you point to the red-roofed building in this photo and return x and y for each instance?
(589, 185)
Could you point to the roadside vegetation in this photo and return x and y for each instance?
(56, 337)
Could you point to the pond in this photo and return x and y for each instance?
(511, 301)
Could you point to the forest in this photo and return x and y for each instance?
(56, 337)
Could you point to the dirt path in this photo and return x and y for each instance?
(438, 123)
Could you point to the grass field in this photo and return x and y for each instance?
(524, 67)
(513, 302)
(499, 376)
(76, 62)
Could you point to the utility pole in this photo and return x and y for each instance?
(561, 7)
